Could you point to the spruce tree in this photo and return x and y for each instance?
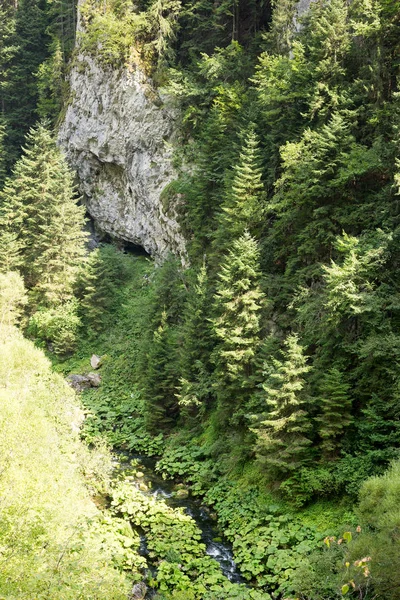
(159, 386)
(2, 157)
(242, 209)
(195, 348)
(238, 302)
(282, 437)
(42, 222)
(28, 50)
(335, 414)
(50, 83)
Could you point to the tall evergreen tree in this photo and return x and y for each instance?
(242, 209)
(2, 157)
(196, 345)
(160, 384)
(282, 435)
(335, 417)
(27, 49)
(238, 302)
(42, 221)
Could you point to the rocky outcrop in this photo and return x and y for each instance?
(84, 382)
(117, 135)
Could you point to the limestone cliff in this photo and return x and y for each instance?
(116, 134)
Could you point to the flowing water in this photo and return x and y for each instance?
(216, 546)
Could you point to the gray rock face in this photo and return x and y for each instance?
(116, 135)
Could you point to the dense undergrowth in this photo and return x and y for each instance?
(279, 548)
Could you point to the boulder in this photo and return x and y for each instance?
(95, 361)
(138, 592)
(84, 382)
(94, 379)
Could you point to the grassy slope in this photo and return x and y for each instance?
(51, 542)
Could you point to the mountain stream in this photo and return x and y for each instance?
(168, 491)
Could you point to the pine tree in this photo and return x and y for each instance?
(29, 49)
(95, 290)
(98, 285)
(242, 209)
(328, 41)
(10, 257)
(238, 302)
(163, 16)
(282, 443)
(12, 297)
(2, 156)
(195, 348)
(336, 412)
(160, 383)
(50, 83)
(42, 223)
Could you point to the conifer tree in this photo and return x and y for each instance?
(42, 223)
(10, 257)
(163, 16)
(50, 83)
(282, 437)
(238, 302)
(161, 404)
(336, 412)
(96, 287)
(2, 157)
(242, 208)
(328, 40)
(195, 366)
(28, 48)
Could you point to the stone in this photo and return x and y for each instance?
(94, 379)
(95, 361)
(182, 494)
(117, 135)
(139, 474)
(143, 487)
(139, 591)
(78, 382)
(83, 382)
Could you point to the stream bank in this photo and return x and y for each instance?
(186, 560)
(139, 471)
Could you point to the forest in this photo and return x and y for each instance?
(263, 375)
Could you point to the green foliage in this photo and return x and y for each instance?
(336, 410)
(42, 221)
(118, 33)
(24, 49)
(242, 209)
(379, 518)
(175, 540)
(282, 445)
(12, 298)
(195, 393)
(51, 86)
(268, 544)
(57, 327)
(52, 536)
(238, 302)
(98, 285)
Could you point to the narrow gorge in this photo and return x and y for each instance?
(199, 284)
